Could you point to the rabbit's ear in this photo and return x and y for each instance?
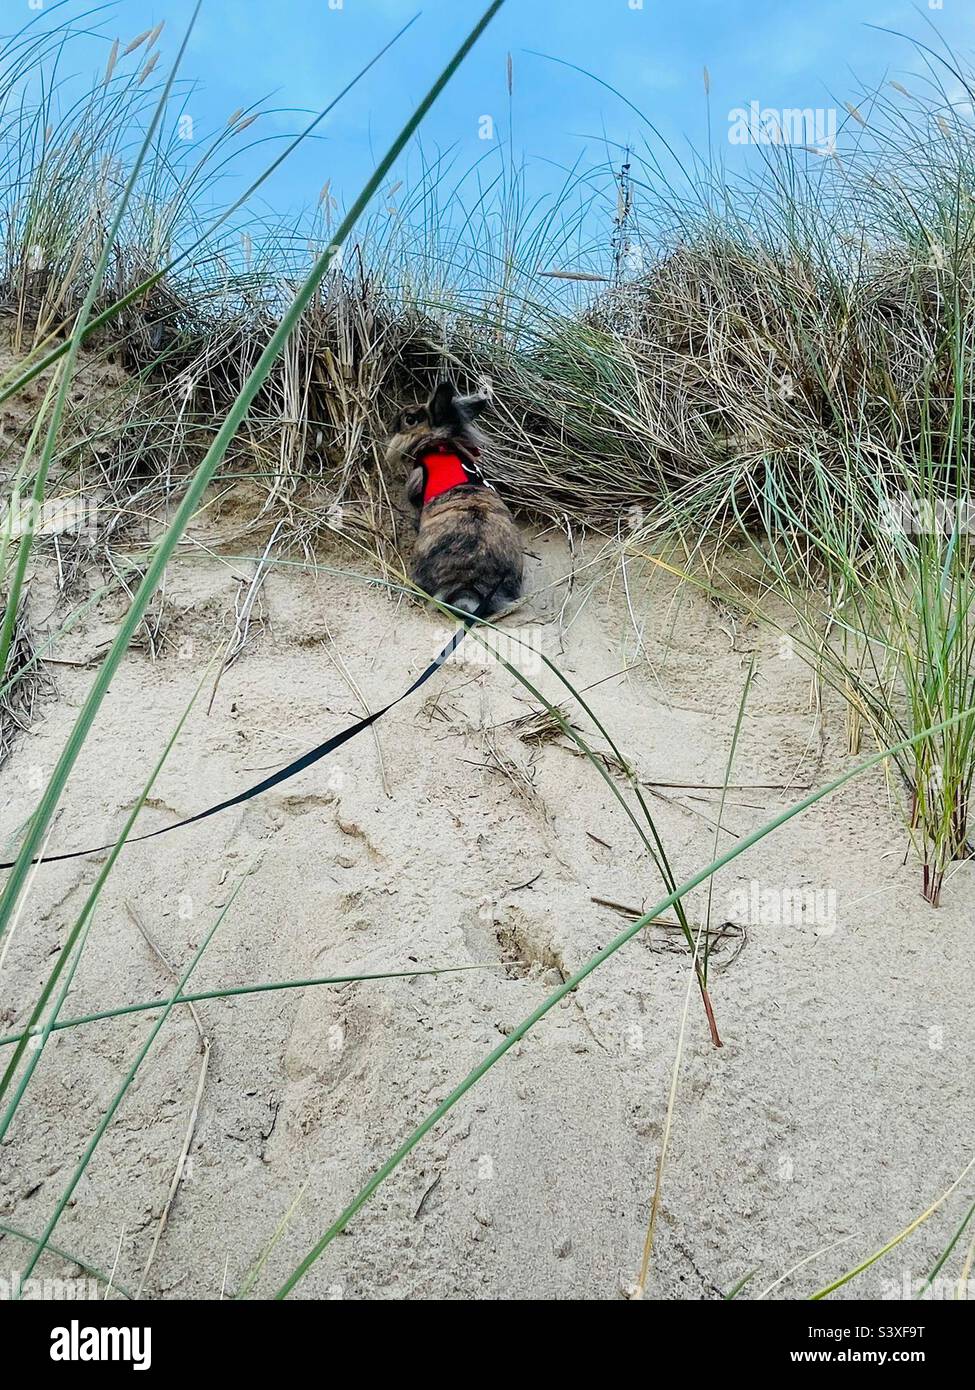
(442, 410)
(472, 406)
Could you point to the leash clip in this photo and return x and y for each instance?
(477, 474)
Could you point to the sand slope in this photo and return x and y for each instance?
(840, 1105)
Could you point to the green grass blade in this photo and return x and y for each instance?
(233, 991)
(91, 1269)
(943, 1257)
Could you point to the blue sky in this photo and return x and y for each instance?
(297, 54)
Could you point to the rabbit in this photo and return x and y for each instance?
(468, 550)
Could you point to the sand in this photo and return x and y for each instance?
(838, 1108)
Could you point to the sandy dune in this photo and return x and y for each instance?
(839, 1106)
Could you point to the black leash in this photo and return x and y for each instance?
(299, 765)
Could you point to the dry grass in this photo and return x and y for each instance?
(25, 681)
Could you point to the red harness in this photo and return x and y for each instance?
(444, 471)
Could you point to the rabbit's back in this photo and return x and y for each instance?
(468, 545)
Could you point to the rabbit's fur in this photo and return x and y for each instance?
(468, 550)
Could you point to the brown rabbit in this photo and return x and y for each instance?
(468, 551)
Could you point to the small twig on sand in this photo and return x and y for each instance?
(243, 617)
(605, 843)
(725, 931)
(118, 1254)
(516, 887)
(423, 1200)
